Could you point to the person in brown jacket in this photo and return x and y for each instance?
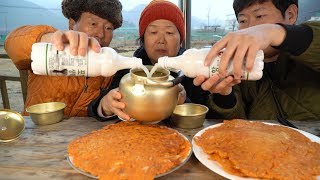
(91, 24)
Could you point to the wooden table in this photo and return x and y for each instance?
(40, 152)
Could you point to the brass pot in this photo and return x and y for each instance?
(149, 99)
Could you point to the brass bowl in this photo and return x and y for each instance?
(189, 115)
(11, 125)
(46, 113)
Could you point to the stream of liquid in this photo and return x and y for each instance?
(152, 71)
(154, 68)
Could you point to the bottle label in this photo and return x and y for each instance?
(255, 74)
(60, 63)
(214, 67)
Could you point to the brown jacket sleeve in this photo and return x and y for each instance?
(19, 42)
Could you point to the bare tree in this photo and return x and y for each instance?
(208, 15)
(233, 23)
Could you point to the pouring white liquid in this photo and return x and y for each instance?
(191, 63)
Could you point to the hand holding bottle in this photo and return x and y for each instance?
(240, 44)
(243, 45)
(216, 83)
(48, 60)
(79, 42)
(191, 63)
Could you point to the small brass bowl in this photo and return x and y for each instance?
(46, 113)
(11, 125)
(189, 115)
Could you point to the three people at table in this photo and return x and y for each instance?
(289, 88)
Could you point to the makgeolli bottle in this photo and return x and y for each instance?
(191, 63)
(47, 60)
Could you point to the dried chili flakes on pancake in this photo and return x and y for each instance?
(129, 150)
(255, 149)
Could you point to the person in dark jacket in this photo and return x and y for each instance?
(290, 86)
(161, 30)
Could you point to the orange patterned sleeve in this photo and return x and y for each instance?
(19, 42)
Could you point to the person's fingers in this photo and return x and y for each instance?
(227, 56)
(57, 40)
(180, 87)
(197, 81)
(224, 86)
(251, 57)
(182, 94)
(73, 38)
(115, 104)
(110, 100)
(215, 50)
(83, 44)
(94, 44)
(121, 114)
(209, 83)
(116, 94)
(238, 60)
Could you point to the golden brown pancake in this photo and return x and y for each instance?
(129, 150)
(254, 149)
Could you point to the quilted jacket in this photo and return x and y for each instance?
(75, 92)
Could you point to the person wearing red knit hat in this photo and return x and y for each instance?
(161, 31)
(160, 9)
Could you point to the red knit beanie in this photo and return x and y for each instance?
(161, 9)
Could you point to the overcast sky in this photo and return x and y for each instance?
(200, 8)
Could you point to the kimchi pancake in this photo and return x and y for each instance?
(129, 149)
(255, 149)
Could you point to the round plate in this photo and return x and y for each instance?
(69, 159)
(217, 168)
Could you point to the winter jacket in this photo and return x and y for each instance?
(75, 92)
(290, 86)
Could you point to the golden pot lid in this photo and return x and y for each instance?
(11, 125)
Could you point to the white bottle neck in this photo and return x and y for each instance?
(122, 62)
(171, 62)
(119, 62)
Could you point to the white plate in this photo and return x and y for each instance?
(217, 168)
(69, 159)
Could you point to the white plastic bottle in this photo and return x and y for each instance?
(191, 63)
(47, 60)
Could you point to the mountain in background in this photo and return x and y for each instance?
(132, 17)
(15, 13)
